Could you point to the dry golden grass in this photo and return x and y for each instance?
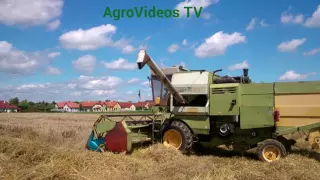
(51, 146)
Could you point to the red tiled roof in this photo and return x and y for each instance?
(60, 104)
(139, 104)
(110, 104)
(90, 104)
(125, 104)
(72, 105)
(6, 105)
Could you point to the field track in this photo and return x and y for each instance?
(51, 146)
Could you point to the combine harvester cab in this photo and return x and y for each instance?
(206, 109)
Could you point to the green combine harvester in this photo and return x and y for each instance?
(198, 107)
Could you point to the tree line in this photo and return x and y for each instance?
(29, 106)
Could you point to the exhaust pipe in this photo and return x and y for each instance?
(245, 72)
(144, 58)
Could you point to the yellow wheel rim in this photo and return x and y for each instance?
(172, 138)
(271, 153)
(314, 139)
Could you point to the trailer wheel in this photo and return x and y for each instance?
(271, 150)
(178, 136)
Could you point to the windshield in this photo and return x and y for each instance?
(156, 87)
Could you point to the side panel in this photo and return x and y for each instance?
(256, 109)
(198, 124)
(256, 117)
(224, 99)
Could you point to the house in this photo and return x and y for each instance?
(127, 106)
(6, 107)
(71, 107)
(92, 106)
(59, 105)
(143, 105)
(112, 106)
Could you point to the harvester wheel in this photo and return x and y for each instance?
(178, 136)
(314, 139)
(271, 150)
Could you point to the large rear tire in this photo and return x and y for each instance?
(271, 150)
(179, 136)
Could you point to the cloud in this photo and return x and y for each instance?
(82, 88)
(97, 83)
(287, 18)
(147, 38)
(53, 25)
(292, 75)
(95, 38)
(120, 64)
(263, 24)
(290, 46)
(129, 92)
(88, 39)
(311, 22)
(29, 12)
(15, 61)
(173, 48)
(314, 21)
(253, 23)
(54, 54)
(206, 15)
(85, 63)
(146, 83)
(76, 93)
(124, 44)
(103, 92)
(312, 52)
(184, 42)
(243, 65)
(218, 43)
(133, 80)
(194, 3)
(53, 71)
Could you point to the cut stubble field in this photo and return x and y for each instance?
(52, 146)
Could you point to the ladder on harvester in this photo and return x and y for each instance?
(157, 127)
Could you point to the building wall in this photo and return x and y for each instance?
(68, 109)
(132, 108)
(116, 107)
(98, 108)
(8, 110)
(108, 108)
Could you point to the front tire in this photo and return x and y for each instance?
(271, 150)
(179, 136)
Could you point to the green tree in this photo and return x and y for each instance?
(24, 105)
(14, 101)
(81, 108)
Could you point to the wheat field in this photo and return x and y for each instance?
(51, 146)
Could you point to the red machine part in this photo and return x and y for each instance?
(116, 139)
(276, 115)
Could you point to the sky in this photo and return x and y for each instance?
(57, 50)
